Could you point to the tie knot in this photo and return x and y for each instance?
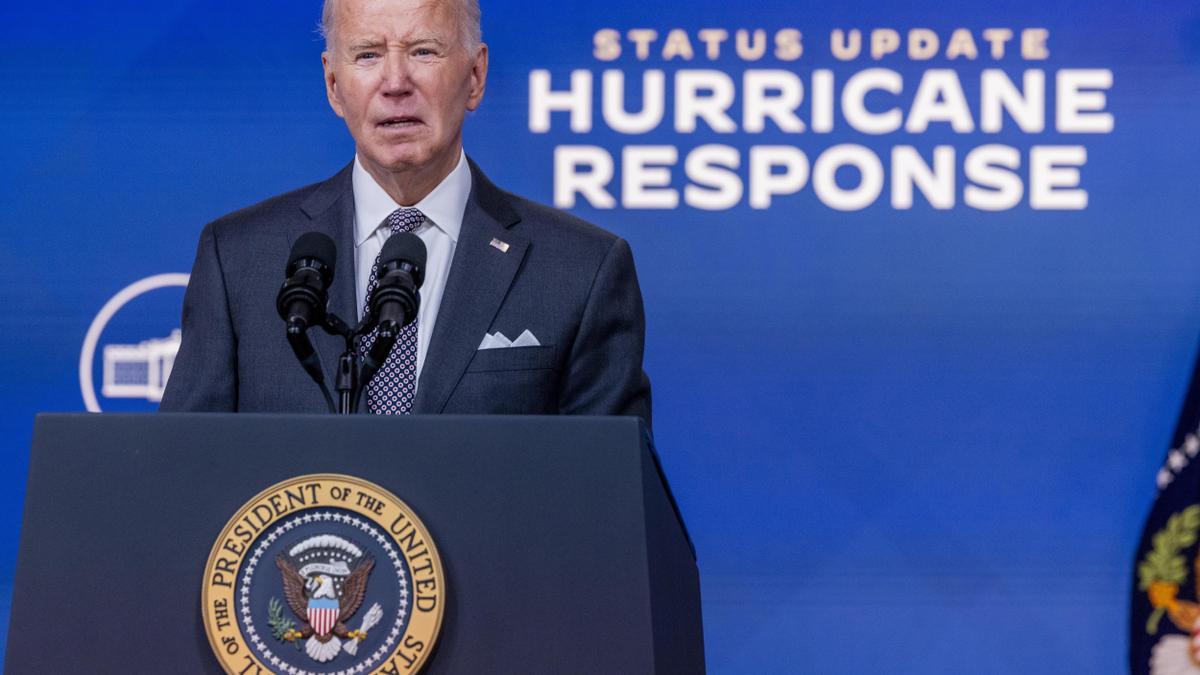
(405, 219)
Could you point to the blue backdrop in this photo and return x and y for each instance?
(904, 439)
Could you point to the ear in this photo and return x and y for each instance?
(479, 69)
(331, 84)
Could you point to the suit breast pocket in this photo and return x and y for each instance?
(513, 358)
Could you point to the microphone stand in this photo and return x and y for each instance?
(346, 381)
(354, 371)
(304, 291)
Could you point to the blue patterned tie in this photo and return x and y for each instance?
(392, 389)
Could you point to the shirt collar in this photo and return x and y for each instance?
(444, 206)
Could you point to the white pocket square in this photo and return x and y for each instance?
(498, 341)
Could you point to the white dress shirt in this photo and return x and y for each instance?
(443, 209)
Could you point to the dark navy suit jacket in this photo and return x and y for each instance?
(570, 283)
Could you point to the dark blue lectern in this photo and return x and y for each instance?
(562, 548)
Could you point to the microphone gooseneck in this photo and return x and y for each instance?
(302, 298)
(394, 302)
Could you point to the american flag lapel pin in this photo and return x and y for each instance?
(500, 245)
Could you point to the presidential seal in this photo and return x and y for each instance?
(1162, 574)
(323, 575)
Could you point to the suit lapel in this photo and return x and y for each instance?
(480, 276)
(330, 210)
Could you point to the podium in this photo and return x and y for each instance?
(562, 548)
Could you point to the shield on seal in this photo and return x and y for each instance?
(323, 615)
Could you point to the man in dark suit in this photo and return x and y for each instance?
(524, 310)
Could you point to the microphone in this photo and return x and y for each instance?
(395, 301)
(401, 271)
(302, 299)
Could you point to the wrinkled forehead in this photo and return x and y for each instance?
(406, 20)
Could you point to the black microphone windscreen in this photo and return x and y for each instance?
(314, 245)
(404, 246)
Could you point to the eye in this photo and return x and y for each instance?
(424, 51)
(364, 55)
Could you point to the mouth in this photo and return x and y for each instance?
(399, 122)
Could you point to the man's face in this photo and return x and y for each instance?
(398, 72)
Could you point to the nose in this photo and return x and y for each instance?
(397, 80)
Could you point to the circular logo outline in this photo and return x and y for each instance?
(87, 355)
(315, 492)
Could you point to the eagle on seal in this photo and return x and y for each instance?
(321, 609)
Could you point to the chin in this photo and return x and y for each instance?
(403, 160)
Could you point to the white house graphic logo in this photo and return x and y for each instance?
(141, 370)
(131, 369)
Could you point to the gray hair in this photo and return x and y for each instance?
(469, 23)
